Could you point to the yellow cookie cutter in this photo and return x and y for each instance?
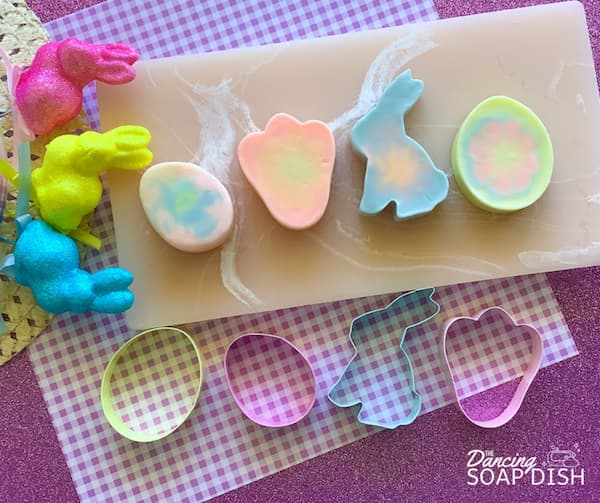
(106, 394)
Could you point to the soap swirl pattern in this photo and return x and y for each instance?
(502, 156)
(186, 205)
(399, 170)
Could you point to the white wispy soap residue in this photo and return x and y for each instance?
(555, 80)
(594, 199)
(222, 115)
(575, 257)
(385, 67)
(581, 102)
(553, 84)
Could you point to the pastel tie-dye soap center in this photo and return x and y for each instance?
(502, 156)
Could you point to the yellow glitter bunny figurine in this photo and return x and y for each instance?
(67, 186)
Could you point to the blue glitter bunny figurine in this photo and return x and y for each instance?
(48, 262)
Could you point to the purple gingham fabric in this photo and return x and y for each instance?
(218, 449)
(470, 344)
(270, 380)
(380, 376)
(155, 381)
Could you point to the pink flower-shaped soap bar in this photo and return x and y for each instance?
(290, 165)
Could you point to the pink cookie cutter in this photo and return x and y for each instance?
(495, 407)
(271, 381)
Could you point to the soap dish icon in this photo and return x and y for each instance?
(380, 377)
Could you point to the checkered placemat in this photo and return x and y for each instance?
(271, 380)
(491, 349)
(380, 375)
(218, 449)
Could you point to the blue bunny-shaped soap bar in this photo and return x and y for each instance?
(379, 376)
(48, 262)
(399, 170)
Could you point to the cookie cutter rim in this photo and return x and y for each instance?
(242, 408)
(535, 361)
(411, 373)
(106, 391)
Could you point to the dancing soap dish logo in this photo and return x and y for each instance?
(560, 467)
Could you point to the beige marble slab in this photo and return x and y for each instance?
(199, 107)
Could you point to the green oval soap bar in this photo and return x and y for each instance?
(502, 156)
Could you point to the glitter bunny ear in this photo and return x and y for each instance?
(120, 52)
(115, 64)
(83, 62)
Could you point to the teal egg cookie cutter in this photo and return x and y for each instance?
(379, 377)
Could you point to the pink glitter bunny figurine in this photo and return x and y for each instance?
(48, 93)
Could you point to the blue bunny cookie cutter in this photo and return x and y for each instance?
(379, 376)
(399, 170)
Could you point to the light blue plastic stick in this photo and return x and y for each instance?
(24, 179)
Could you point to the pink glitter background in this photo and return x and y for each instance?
(423, 463)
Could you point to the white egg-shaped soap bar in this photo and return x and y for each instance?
(186, 205)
